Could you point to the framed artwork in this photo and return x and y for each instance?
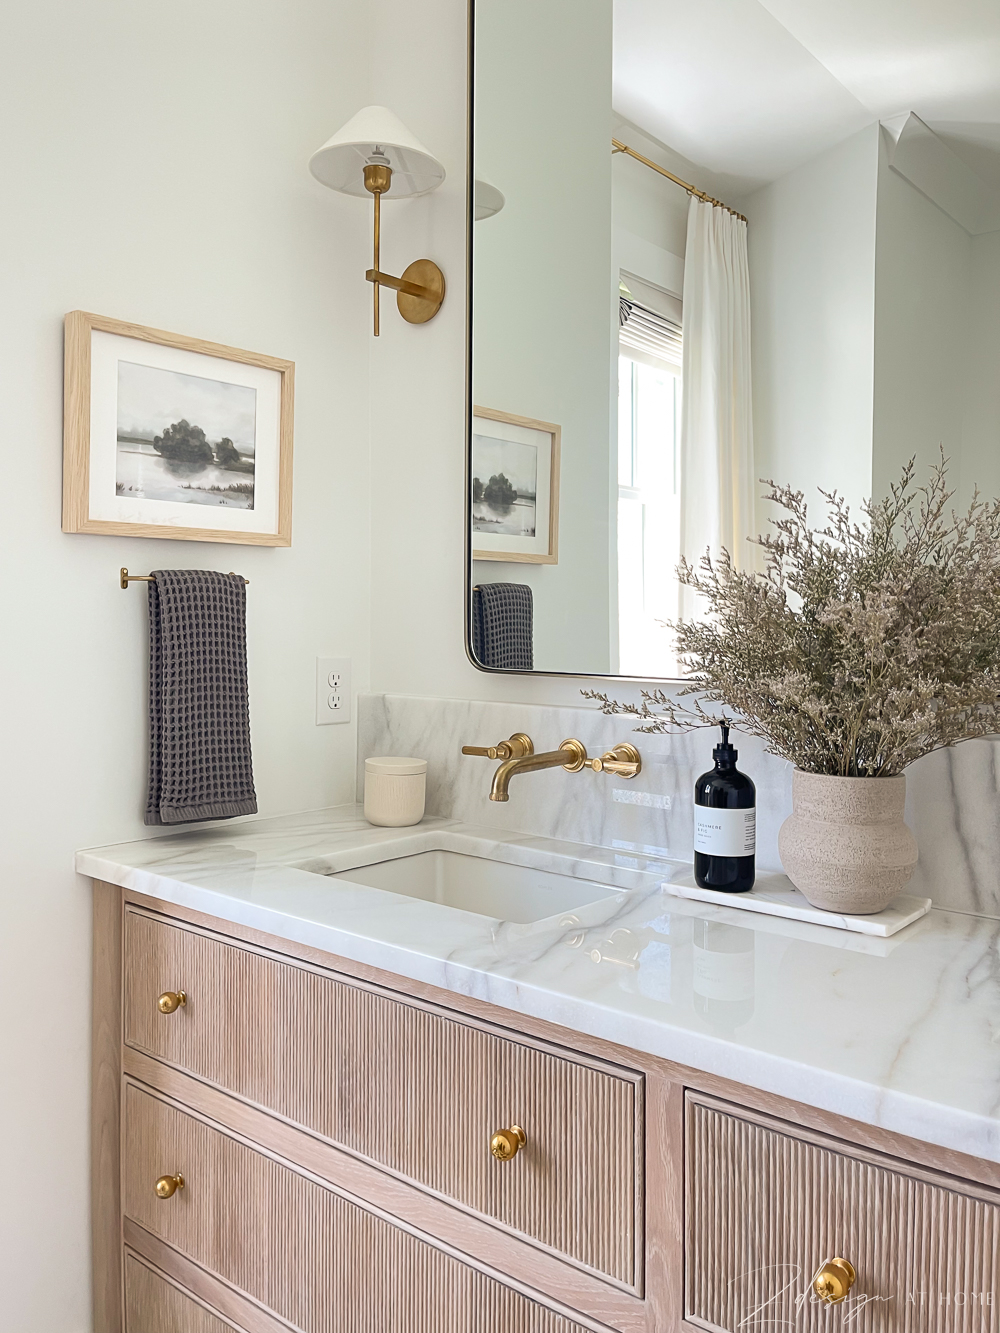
(514, 504)
(170, 436)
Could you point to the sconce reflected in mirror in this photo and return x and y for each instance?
(375, 153)
(488, 199)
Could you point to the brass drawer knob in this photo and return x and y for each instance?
(170, 1001)
(505, 1143)
(167, 1186)
(834, 1280)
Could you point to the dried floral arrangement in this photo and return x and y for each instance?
(859, 647)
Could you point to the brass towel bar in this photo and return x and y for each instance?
(127, 578)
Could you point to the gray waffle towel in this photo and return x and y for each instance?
(199, 720)
(502, 630)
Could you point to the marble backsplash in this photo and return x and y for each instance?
(953, 797)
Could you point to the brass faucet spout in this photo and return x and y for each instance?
(571, 755)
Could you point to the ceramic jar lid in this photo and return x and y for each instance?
(396, 765)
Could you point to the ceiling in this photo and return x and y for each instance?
(749, 89)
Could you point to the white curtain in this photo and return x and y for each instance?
(718, 483)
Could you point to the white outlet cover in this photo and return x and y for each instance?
(333, 690)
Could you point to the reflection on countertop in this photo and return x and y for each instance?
(903, 1032)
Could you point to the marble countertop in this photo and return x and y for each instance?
(903, 1033)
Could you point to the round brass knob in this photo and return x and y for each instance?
(834, 1280)
(505, 1143)
(167, 1186)
(170, 1001)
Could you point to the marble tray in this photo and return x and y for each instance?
(776, 895)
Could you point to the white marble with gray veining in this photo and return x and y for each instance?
(903, 1033)
(953, 796)
(653, 810)
(953, 807)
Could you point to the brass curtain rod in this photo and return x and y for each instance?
(127, 578)
(618, 147)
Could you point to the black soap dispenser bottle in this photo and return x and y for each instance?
(725, 824)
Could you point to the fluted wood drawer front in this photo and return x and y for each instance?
(404, 1085)
(302, 1249)
(768, 1205)
(154, 1305)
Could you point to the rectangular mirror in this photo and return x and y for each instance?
(714, 244)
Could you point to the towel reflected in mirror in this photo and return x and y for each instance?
(502, 629)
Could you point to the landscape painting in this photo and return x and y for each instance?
(184, 439)
(504, 486)
(169, 435)
(514, 488)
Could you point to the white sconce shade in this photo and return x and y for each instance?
(375, 154)
(375, 134)
(488, 199)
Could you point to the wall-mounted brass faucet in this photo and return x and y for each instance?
(518, 756)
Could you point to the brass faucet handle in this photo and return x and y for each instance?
(517, 747)
(624, 761)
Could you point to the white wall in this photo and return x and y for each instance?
(875, 327)
(541, 302)
(647, 206)
(923, 290)
(981, 423)
(154, 169)
(811, 241)
(937, 345)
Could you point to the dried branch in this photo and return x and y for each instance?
(858, 647)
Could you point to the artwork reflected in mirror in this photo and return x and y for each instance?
(515, 488)
(712, 271)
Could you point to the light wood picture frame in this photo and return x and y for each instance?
(138, 462)
(514, 505)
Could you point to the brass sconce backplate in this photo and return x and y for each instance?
(419, 309)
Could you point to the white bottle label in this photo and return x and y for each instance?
(725, 832)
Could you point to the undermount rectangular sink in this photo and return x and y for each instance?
(475, 884)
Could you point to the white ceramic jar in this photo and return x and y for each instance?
(395, 788)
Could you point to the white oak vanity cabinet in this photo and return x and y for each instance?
(283, 1140)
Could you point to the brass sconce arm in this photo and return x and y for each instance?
(420, 291)
(400, 284)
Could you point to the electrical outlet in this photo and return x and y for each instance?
(333, 690)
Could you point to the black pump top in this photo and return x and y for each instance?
(724, 754)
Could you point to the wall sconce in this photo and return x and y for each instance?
(375, 153)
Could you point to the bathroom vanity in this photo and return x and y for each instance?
(323, 1105)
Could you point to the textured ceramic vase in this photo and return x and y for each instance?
(845, 845)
